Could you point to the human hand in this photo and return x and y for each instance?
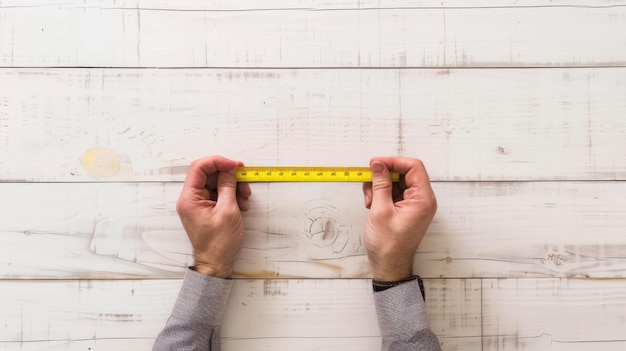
(399, 216)
(209, 208)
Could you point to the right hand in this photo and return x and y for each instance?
(209, 208)
(399, 216)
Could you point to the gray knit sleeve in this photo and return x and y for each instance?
(195, 321)
(404, 324)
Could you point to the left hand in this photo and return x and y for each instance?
(209, 208)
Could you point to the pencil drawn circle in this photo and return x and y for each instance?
(323, 226)
(322, 231)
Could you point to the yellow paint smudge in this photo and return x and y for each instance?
(101, 162)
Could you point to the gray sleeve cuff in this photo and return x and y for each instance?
(202, 299)
(401, 311)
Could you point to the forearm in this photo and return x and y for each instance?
(195, 320)
(404, 324)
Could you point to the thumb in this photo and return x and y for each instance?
(381, 184)
(227, 188)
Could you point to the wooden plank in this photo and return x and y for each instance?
(289, 5)
(261, 314)
(94, 344)
(516, 124)
(130, 125)
(425, 33)
(554, 314)
(74, 313)
(339, 344)
(521, 314)
(482, 229)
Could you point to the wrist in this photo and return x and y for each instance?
(211, 271)
(392, 270)
(392, 277)
(381, 286)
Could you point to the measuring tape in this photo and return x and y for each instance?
(306, 174)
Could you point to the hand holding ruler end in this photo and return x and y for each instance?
(306, 174)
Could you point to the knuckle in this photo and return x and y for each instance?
(181, 206)
(434, 204)
(419, 163)
(194, 165)
(430, 205)
(380, 184)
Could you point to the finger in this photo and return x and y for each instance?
(227, 188)
(243, 189)
(367, 194)
(203, 172)
(414, 172)
(243, 193)
(382, 186)
(417, 175)
(243, 203)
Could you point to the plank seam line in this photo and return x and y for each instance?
(79, 339)
(312, 9)
(482, 318)
(587, 341)
(180, 278)
(291, 68)
(298, 337)
(516, 336)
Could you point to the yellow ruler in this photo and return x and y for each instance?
(306, 174)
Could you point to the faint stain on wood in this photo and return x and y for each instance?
(101, 162)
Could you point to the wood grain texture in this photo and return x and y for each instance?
(136, 125)
(521, 314)
(261, 314)
(554, 314)
(108, 230)
(312, 34)
(484, 90)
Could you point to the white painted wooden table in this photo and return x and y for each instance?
(518, 110)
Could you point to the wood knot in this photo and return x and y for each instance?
(556, 259)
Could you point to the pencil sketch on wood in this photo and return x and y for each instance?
(481, 229)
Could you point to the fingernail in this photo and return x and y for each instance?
(377, 168)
